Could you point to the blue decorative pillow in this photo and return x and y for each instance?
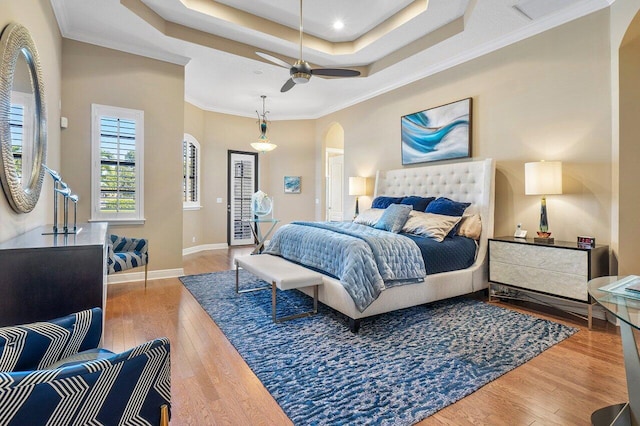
(74, 332)
(394, 218)
(384, 202)
(447, 207)
(418, 203)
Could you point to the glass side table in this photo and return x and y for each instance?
(257, 232)
(627, 310)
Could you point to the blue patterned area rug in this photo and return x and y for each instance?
(400, 368)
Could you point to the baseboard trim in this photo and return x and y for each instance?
(204, 247)
(139, 276)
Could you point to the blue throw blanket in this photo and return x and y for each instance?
(364, 259)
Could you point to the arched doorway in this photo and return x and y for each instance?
(334, 172)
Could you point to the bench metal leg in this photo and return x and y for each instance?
(290, 317)
(238, 291)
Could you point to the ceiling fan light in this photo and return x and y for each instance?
(300, 77)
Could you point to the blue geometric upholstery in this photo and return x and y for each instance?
(130, 388)
(127, 253)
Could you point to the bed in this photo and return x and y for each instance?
(471, 182)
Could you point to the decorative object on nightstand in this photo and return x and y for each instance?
(543, 178)
(520, 233)
(357, 187)
(586, 242)
(263, 144)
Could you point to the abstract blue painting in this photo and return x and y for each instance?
(439, 133)
(292, 184)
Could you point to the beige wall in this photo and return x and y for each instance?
(546, 97)
(92, 74)
(629, 149)
(37, 16)
(220, 133)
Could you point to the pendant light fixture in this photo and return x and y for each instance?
(263, 144)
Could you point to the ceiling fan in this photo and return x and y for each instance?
(301, 71)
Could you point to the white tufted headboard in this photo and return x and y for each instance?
(472, 182)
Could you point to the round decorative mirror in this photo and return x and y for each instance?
(23, 122)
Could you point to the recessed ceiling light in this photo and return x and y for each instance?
(338, 25)
(257, 72)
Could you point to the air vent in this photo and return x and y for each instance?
(535, 9)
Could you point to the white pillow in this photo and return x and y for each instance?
(470, 226)
(430, 225)
(369, 217)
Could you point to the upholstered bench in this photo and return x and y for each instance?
(282, 275)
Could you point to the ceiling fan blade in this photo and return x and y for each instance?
(335, 72)
(273, 59)
(287, 85)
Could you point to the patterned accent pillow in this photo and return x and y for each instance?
(34, 346)
(369, 217)
(470, 226)
(430, 225)
(394, 218)
(82, 358)
(384, 202)
(418, 203)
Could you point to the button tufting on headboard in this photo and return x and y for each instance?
(471, 181)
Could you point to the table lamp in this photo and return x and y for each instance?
(357, 187)
(543, 178)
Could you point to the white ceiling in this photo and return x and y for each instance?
(223, 74)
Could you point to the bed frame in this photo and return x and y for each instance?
(471, 181)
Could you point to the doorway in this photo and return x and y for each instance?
(335, 184)
(242, 183)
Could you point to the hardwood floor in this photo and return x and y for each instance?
(212, 385)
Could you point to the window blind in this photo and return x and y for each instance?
(117, 165)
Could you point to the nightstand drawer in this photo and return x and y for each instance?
(547, 258)
(548, 281)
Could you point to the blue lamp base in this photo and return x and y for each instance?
(544, 236)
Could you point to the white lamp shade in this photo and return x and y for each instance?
(357, 185)
(543, 178)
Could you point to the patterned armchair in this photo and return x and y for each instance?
(127, 253)
(53, 373)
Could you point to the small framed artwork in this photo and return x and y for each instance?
(292, 184)
(440, 133)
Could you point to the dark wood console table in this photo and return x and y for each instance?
(48, 276)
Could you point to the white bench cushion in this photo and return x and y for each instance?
(287, 275)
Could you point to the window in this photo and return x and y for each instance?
(21, 133)
(117, 154)
(190, 172)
